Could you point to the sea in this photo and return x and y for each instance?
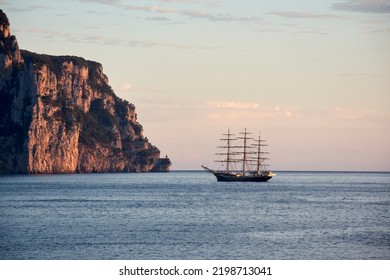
(188, 215)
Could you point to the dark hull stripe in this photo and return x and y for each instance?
(224, 178)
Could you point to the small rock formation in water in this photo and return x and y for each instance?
(58, 114)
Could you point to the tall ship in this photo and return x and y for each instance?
(246, 153)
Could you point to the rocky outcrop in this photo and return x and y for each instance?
(58, 114)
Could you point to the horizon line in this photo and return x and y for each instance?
(319, 171)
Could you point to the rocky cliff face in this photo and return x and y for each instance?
(58, 114)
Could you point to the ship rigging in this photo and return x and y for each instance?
(250, 156)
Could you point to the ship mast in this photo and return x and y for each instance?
(259, 159)
(245, 147)
(228, 148)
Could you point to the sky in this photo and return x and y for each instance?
(312, 76)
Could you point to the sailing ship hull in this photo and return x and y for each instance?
(237, 177)
(247, 178)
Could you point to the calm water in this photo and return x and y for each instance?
(188, 215)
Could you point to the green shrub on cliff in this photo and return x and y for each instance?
(96, 124)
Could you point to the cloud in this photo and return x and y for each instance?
(282, 112)
(295, 28)
(361, 115)
(97, 12)
(190, 13)
(107, 2)
(31, 8)
(50, 34)
(207, 3)
(233, 105)
(383, 30)
(235, 110)
(193, 14)
(364, 6)
(218, 17)
(295, 14)
(158, 18)
(126, 87)
(113, 41)
(177, 1)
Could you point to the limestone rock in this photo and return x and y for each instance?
(58, 114)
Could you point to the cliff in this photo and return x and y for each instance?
(58, 114)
